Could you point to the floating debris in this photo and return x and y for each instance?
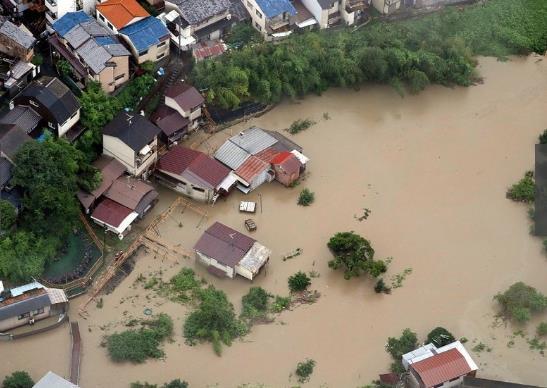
(296, 252)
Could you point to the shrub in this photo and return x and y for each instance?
(355, 255)
(299, 282)
(300, 125)
(8, 216)
(139, 345)
(184, 285)
(214, 320)
(543, 137)
(304, 370)
(541, 330)
(417, 81)
(255, 303)
(18, 379)
(520, 301)
(306, 197)
(524, 190)
(407, 342)
(382, 287)
(280, 303)
(439, 336)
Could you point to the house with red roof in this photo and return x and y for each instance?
(429, 366)
(186, 100)
(194, 174)
(287, 168)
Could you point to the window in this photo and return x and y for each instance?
(258, 26)
(162, 44)
(249, 5)
(119, 77)
(258, 14)
(101, 17)
(39, 311)
(143, 52)
(160, 56)
(198, 189)
(110, 26)
(23, 316)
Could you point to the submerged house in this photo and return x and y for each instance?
(119, 200)
(429, 366)
(133, 141)
(30, 303)
(226, 252)
(194, 174)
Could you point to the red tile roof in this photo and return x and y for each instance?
(204, 51)
(181, 159)
(441, 367)
(267, 154)
(251, 168)
(185, 95)
(128, 191)
(111, 213)
(121, 12)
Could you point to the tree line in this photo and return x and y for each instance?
(407, 55)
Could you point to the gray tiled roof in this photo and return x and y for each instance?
(5, 171)
(16, 34)
(22, 116)
(196, 11)
(24, 306)
(94, 56)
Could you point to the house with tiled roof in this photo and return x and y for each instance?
(173, 125)
(56, 9)
(186, 100)
(146, 36)
(16, 41)
(227, 252)
(194, 174)
(93, 52)
(330, 13)
(133, 141)
(429, 366)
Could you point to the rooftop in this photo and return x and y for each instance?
(253, 140)
(197, 11)
(51, 379)
(169, 120)
(16, 33)
(133, 129)
(24, 117)
(12, 139)
(129, 192)
(112, 213)
(272, 8)
(185, 95)
(441, 367)
(121, 13)
(146, 33)
(252, 167)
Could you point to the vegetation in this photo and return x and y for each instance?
(543, 137)
(299, 282)
(8, 215)
(214, 320)
(381, 287)
(524, 190)
(439, 337)
(306, 197)
(243, 34)
(354, 255)
(18, 379)
(438, 49)
(184, 285)
(281, 303)
(520, 301)
(139, 345)
(63, 68)
(300, 125)
(396, 347)
(304, 370)
(255, 304)
(177, 383)
(541, 330)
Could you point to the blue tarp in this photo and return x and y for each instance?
(146, 33)
(69, 21)
(272, 8)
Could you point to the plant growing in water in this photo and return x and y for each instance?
(300, 125)
(306, 197)
(299, 282)
(520, 301)
(524, 190)
(304, 370)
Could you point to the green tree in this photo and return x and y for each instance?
(304, 370)
(417, 81)
(543, 137)
(439, 337)
(407, 342)
(8, 215)
(18, 379)
(63, 68)
(306, 197)
(255, 302)
(299, 282)
(352, 253)
(524, 190)
(177, 383)
(520, 301)
(243, 34)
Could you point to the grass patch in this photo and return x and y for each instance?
(520, 301)
(523, 190)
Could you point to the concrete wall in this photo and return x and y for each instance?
(186, 188)
(210, 261)
(63, 128)
(154, 53)
(13, 49)
(116, 148)
(386, 6)
(13, 322)
(317, 12)
(259, 23)
(107, 77)
(196, 27)
(244, 272)
(192, 116)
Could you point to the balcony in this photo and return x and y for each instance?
(51, 17)
(356, 5)
(51, 5)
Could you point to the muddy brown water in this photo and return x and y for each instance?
(432, 168)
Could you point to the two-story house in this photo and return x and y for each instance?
(16, 41)
(56, 9)
(132, 140)
(332, 12)
(146, 36)
(93, 52)
(52, 101)
(186, 100)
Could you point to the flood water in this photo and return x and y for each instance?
(432, 168)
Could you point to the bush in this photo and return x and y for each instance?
(541, 330)
(242, 34)
(214, 320)
(139, 345)
(543, 137)
(8, 215)
(304, 370)
(306, 197)
(255, 302)
(300, 125)
(18, 379)
(177, 383)
(407, 342)
(184, 285)
(520, 301)
(280, 303)
(439, 336)
(299, 282)
(382, 287)
(355, 255)
(524, 190)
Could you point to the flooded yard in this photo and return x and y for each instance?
(432, 168)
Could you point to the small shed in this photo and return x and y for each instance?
(287, 168)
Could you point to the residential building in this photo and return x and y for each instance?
(199, 20)
(172, 124)
(387, 6)
(12, 139)
(287, 168)
(429, 366)
(30, 303)
(194, 174)
(475, 382)
(93, 52)
(186, 100)
(16, 41)
(276, 19)
(56, 9)
(53, 101)
(227, 252)
(133, 141)
(15, 75)
(208, 49)
(146, 36)
(52, 380)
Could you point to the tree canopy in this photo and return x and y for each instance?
(520, 301)
(8, 216)
(18, 379)
(439, 337)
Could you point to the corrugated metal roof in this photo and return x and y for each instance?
(16, 291)
(231, 155)
(251, 168)
(146, 33)
(272, 8)
(111, 213)
(52, 380)
(441, 367)
(253, 140)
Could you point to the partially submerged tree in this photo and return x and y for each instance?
(439, 336)
(520, 301)
(299, 282)
(18, 379)
(396, 347)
